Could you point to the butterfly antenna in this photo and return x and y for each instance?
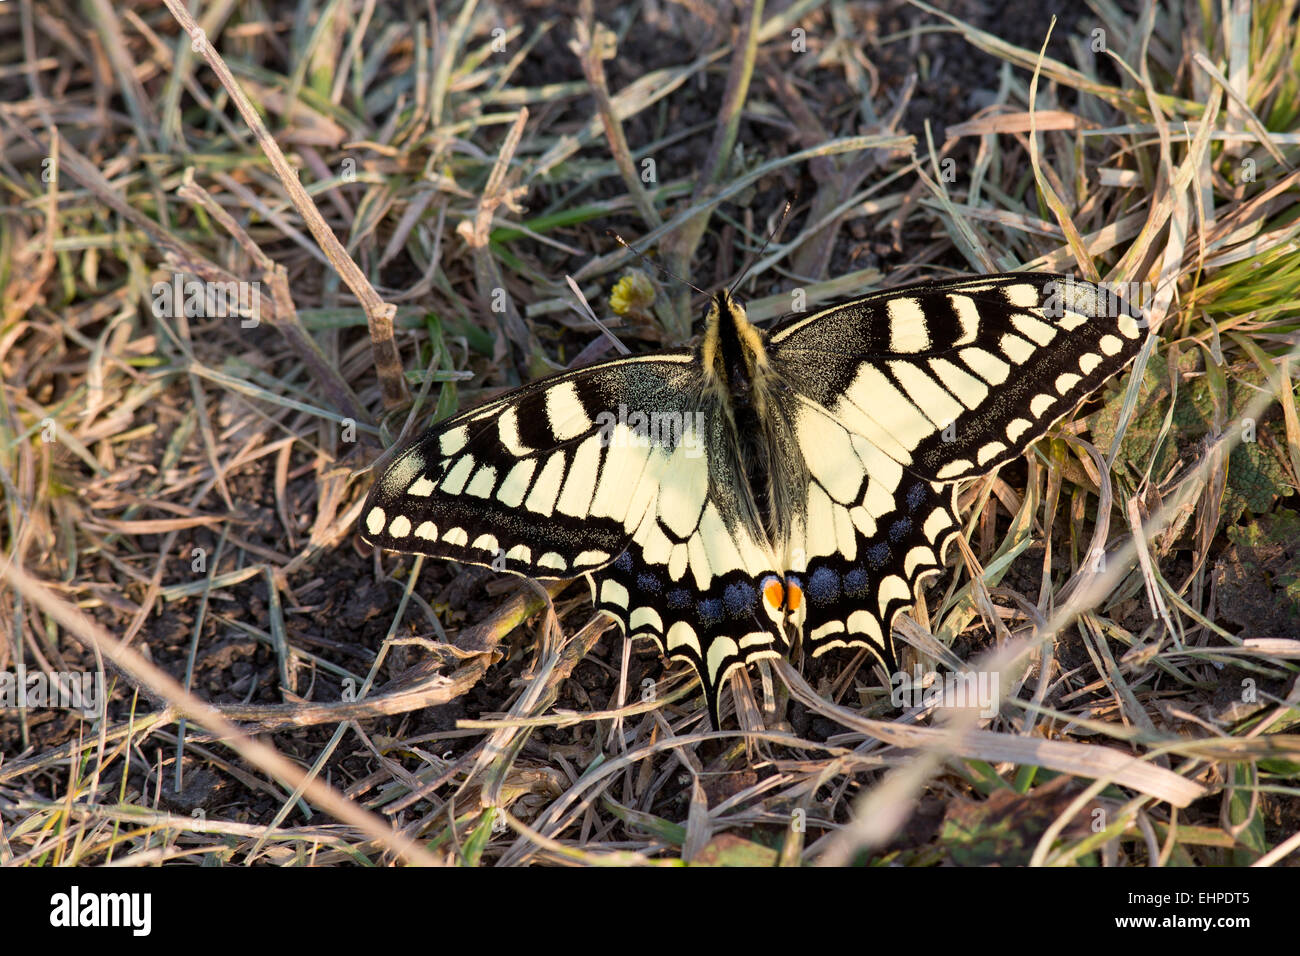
(591, 316)
(780, 225)
(646, 259)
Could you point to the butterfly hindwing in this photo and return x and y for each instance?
(873, 531)
(699, 597)
(691, 576)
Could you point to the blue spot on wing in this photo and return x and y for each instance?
(916, 496)
(823, 586)
(740, 599)
(679, 598)
(878, 555)
(710, 611)
(856, 582)
(900, 529)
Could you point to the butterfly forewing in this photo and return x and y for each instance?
(951, 379)
(538, 482)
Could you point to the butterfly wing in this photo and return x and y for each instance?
(538, 482)
(905, 392)
(951, 379)
(604, 471)
(693, 578)
(871, 534)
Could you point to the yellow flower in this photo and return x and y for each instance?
(632, 293)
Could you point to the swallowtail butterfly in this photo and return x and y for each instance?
(763, 486)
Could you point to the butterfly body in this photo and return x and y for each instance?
(764, 486)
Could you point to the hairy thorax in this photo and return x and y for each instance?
(742, 386)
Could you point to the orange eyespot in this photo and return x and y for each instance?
(780, 594)
(794, 595)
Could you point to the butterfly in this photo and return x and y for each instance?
(763, 487)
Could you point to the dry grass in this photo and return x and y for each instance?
(180, 492)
